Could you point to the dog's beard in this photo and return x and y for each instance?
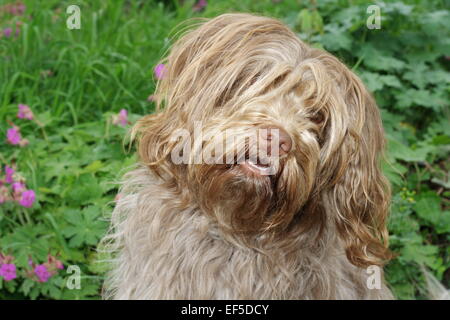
(243, 200)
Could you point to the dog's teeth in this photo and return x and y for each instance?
(262, 169)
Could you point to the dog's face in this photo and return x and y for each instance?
(290, 140)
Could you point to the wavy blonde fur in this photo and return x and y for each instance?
(209, 231)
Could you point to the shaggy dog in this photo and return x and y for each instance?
(212, 230)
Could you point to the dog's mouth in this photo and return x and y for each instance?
(264, 167)
(256, 165)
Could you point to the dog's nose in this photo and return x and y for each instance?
(276, 137)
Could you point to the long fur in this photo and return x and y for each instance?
(208, 231)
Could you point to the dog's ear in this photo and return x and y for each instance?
(153, 134)
(360, 194)
(180, 101)
(156, 133)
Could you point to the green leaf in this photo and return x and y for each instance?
(390, 81)
(400, 151)
(421, 254)
(394, 172)
(26, 286)
(380, 60)
(375, 81)
(86, 226)
(414, 97)
(85, 190)
(309, 21)
(428, 207)
(335, 39)
(44, 119)
(372, 80)
(434, 22)
(399, 7)
(93, 167)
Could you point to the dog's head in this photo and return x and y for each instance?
(267, 135)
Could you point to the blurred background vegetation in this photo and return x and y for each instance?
(75, 82)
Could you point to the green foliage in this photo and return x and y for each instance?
(76, 80)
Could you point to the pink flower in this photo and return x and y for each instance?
(17, 8)
(25, 112)
(8, 271)
(20, 9)
(151, 98)
(59, 265)
(200, 5)
(52, 263)
(9, 172)
(7, 32)
(13, 135)
(18, 187)
(5, 259)
(159, 71)
(27, 198)
(42, 273)
(121, 118)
